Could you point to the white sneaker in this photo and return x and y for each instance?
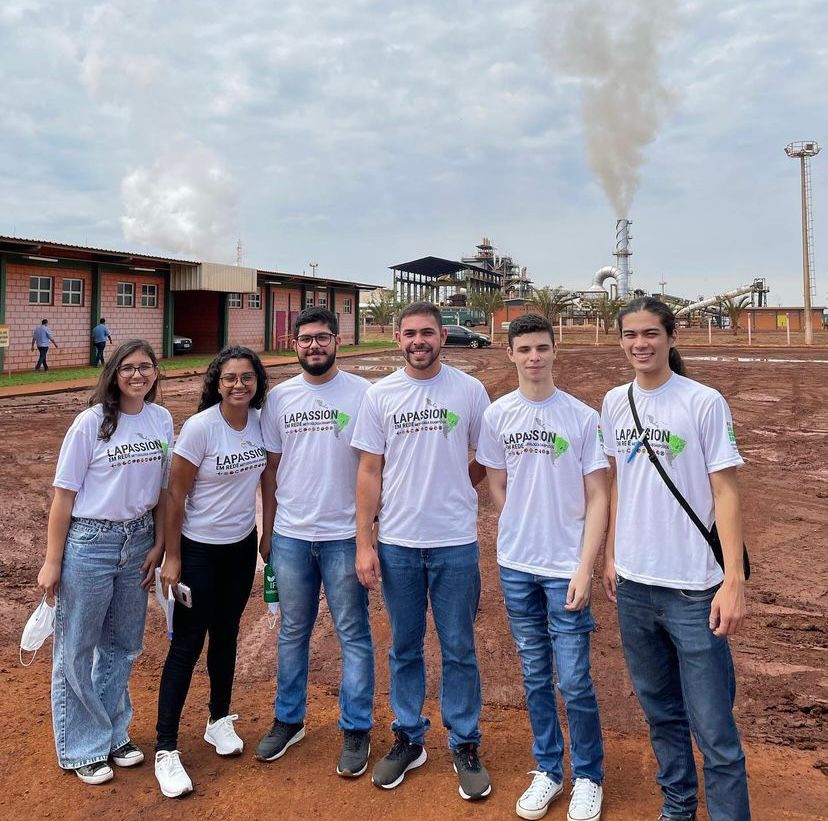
(222, 735)
(585, 804)
(171, 775)
(536, 800)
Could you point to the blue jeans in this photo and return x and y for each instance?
(99, 353)
(41, 358)
(301, 567)
(683, 677)
(450, 578)
(99, 632)
(543, 631)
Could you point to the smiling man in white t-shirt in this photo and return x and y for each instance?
(548, 479)
(308, 488)
(415, 430)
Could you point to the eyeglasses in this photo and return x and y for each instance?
(306, 340)
(229, 379)
(145, 369)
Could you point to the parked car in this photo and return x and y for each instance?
(458, 335)
(182, 344)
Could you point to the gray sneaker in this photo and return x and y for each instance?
(356, 747)
(279, 737)
(403, 756)
(474, 779)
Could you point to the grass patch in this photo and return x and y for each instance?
(190, 361)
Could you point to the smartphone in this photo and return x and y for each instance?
(183, 595)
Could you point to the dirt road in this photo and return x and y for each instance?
(782, 427)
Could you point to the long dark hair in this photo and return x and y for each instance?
(108, 394)
(210, 389)
(668, 322)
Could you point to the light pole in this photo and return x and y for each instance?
(803, 151)
(314, 265)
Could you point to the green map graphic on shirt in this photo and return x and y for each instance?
(559, 447)
(451, 421)
(342, 420)
(676, 445)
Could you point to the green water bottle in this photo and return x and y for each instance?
(270, 589)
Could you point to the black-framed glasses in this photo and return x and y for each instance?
(306, 340)
(229, 379)
(145, 369)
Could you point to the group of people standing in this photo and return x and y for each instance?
(42, 337)
(368, 487)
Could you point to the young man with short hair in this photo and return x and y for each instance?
(100, 333)
(309, 487)
(415, 430)
(547, 478)
(41, 337)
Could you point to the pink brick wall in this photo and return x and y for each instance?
(247, 325)
(135, 322)
(346, 321)
(69, 324)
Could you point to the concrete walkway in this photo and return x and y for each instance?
(44, 388)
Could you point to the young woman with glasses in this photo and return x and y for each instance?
(105, 539)
(211, 546)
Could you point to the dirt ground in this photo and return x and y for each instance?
(780, 405)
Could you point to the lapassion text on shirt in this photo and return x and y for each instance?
(663, 441)
(536, 440)
(311, 421)
(228, 464)
(146, 450)
(431, 418)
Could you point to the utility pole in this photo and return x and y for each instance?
(314, 265)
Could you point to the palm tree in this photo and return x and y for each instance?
(382, 310)
(550, 302)
(734, 308)
(608, 309)
(486, 301)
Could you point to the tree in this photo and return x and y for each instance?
(734, 308)
(550, 302)
(486, 301)
(382, 310)
(608, 309)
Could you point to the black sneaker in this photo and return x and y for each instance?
(474, 779)
(356, 748)
(127, 755)
(279, 737)
(403, 756)
(96, 773)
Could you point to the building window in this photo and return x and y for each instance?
(126, 295)
(322, 301)
(346, 305)
(73, 292)
(254, 300)
(309, 300)
(40, 290)
(149, 296)
(234, 300)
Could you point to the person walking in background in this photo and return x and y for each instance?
(41, 337)
(415, 430)
(548, 481)
(309, 485)
(211, 546)
(100, 333)
(676, 608)
(105, 539)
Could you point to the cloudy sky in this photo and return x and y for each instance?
(358, 134)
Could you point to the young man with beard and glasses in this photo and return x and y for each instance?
(547, 478)
(415, 430)
(309, 486)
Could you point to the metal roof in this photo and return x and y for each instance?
(437, 267)
(271, 278)
(24, 245)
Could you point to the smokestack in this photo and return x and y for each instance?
(622, 254)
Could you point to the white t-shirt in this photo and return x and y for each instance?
(121, 479)
(221, 506)
(424, 428)
(311, 426)
(546, 449)
(691, 431)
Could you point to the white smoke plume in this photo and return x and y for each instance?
(613, 51)
(185, 202)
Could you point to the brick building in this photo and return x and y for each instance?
(153, 298)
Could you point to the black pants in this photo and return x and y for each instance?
(99, 360)
(220, 577)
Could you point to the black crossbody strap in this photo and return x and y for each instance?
(663, 473)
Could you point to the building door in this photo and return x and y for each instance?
(281, 331)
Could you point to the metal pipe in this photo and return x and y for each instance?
(714, 300)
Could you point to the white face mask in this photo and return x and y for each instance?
(39, 627)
